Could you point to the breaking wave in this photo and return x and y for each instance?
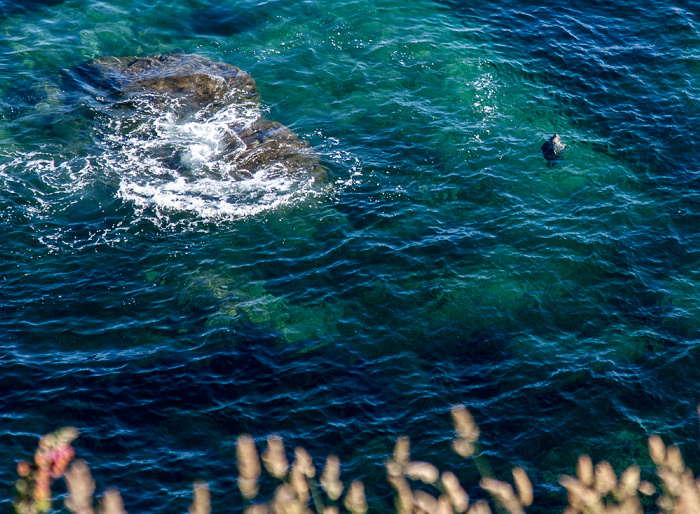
(170, 161)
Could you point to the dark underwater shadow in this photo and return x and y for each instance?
(221, 20)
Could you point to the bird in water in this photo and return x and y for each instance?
(553, 149)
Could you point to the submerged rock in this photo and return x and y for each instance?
(200, 85)
(553, 149)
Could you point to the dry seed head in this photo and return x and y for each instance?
(404, 495)
(581, 497)
(402, 450)
(112, 502)
(657, 450)
(249, 487)
(629, 482)
(462, 447)
(665, 503)
(444, 506)
(201, 502)
(480, 507)
(355, 500)
(258, 508)
(303, 461)
(423, 471)
(247, 458)
(66, 435)
(283, 502)
(274, 458)
(331, 471)
(674, 460)
(248, 466)
(330, 478)
(671, 481)
(332, 509)
(605, 479)
(454, 491)
(399, 483)
(81, 487)
(48, 441)
(523, 486)
(464, 423)
(297, 480)
(646, 488)
(503, 493)
(584, 470)
(393, 468)
(425, 501)
(684, 502)
(690, 496)
(630, 505)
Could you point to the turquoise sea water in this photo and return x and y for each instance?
(164, 311)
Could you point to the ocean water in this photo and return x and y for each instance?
(164, 310)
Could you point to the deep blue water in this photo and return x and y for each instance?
(163, 310)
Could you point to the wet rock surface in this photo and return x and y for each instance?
(201, 86)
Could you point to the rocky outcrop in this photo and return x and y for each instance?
(200, 85)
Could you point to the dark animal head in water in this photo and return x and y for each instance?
(553, 148)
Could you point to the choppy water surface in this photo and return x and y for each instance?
(164, 309)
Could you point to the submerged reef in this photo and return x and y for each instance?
(200, 87)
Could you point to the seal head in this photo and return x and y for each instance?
(553, 149)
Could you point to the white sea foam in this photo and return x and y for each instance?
(168, 162)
